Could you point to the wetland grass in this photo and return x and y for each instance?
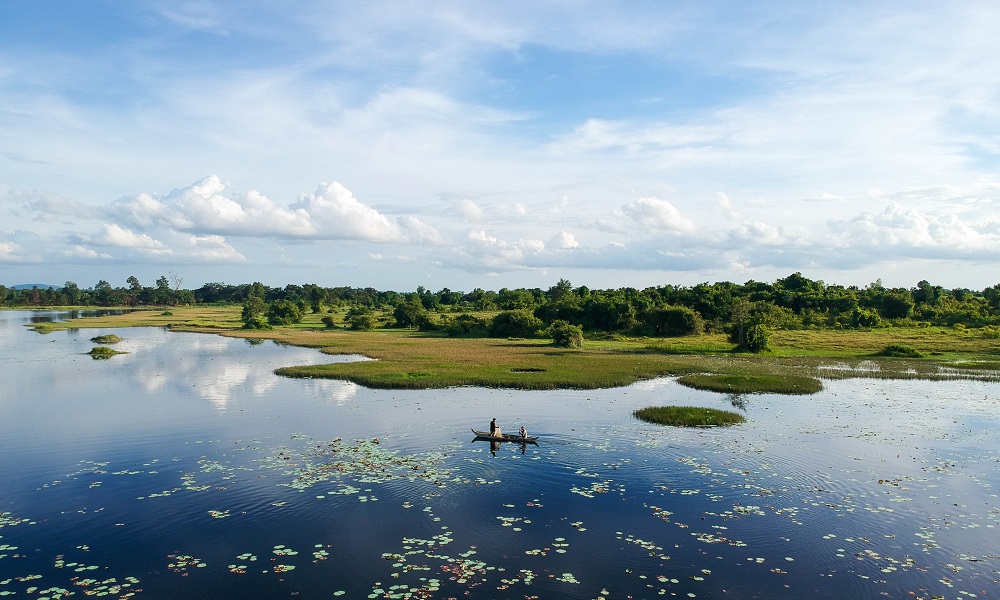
(688, 416)
(407, 359)
(752, 384)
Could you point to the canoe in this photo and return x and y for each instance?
(507, 437)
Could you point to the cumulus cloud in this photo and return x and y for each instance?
(911, 231)
(210, 248)
(470, 210)
(7, 250)
(334, 212)
(78, 251)
(655, 214)
(115, 235)
(565, 241)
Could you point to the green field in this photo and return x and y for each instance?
(407, 359)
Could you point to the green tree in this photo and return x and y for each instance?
(360, 318)
(410, 313)
(466, 325)
(253, 313)
(284, 312)
(72, 292)
(566, 335)
(673, 321)
(515, 324)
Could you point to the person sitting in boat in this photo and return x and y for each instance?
(523, 432)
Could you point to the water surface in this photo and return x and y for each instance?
(186, 469)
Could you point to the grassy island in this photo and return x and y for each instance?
(103, 352)
(412, 359)
(688, 416)
(752, 384)
(109, 338)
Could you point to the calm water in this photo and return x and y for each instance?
(186, 469)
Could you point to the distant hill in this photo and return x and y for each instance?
(28, 286)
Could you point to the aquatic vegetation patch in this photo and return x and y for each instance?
(103, 352)
(109, 338)
(752, 384)
(688, 416)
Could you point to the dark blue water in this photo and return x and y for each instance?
(186, 469)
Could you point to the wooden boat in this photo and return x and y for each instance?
(506, 437)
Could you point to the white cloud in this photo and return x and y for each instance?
(470, 210)
(655, 214)
(335, 213)
(565, 241)
(7, 250)
(115, 235)
(78, 251)
(211, 248)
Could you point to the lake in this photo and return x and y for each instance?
(187, 469)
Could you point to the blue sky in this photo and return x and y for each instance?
(467, 144)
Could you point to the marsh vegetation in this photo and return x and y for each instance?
(688, 416)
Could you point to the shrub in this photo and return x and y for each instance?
(900, 351)
(515, 324)
(328, 321)
(566, 335)
(673, 321)
(284, 312)
(753, 338)
(467, 325)
(360, 318)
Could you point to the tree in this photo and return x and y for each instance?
(754, 339)
(253, 314)
(467, 325)
(673, 321)
(410, 313)
(360, 318)
(566, 335)
(748, 331)
(72, 292)
(515, 324)
(176, 279)
(284, 312)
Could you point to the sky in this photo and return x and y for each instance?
(467, 145)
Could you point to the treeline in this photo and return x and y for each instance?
(793, 302)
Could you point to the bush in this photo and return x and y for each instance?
(284, 312)
(861, 317)
(753, 338)
(673, 321)
(900, 351)
(466, 325)
(360, 318)
(256, 322)
(328, 321)
(566, 335)
(515, 324)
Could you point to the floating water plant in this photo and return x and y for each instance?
(109, 338)
(103, 352)
(688, 416)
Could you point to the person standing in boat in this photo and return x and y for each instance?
(523, 432)
(494, 428)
